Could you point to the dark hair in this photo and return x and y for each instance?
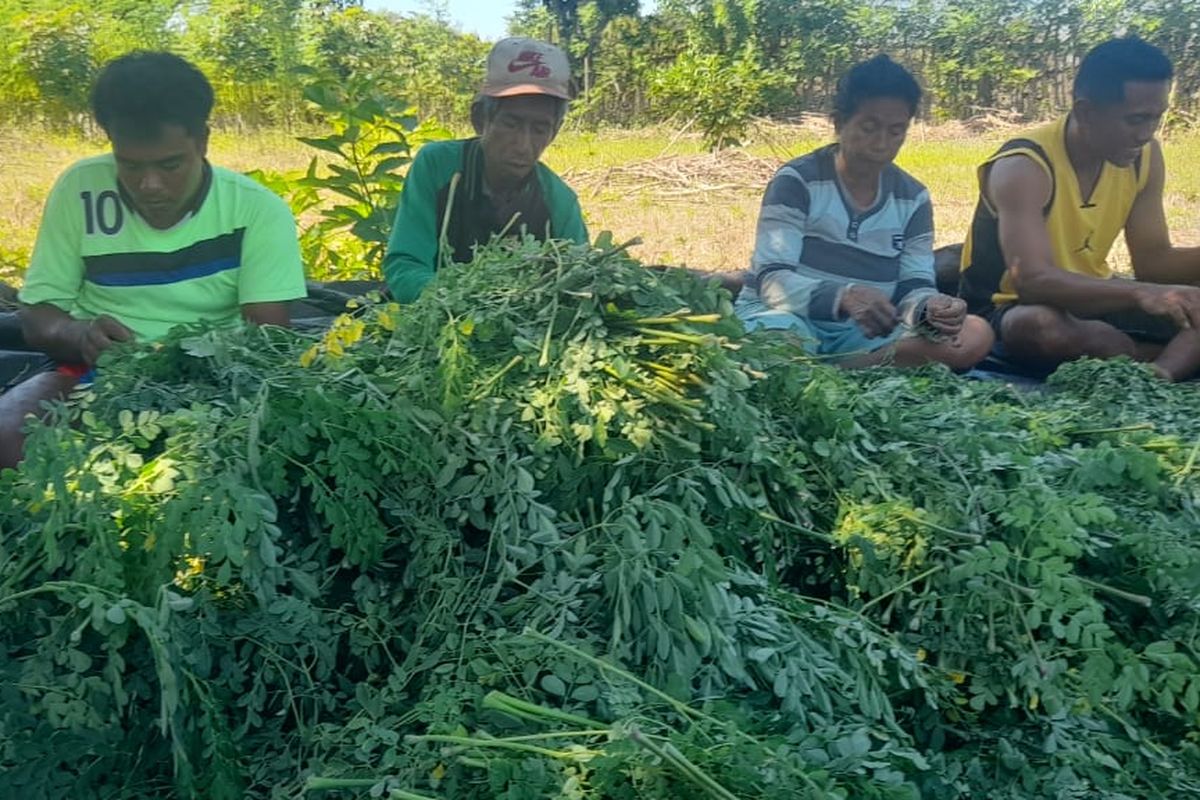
(141, 91)
(1109, 65)
(876, 77)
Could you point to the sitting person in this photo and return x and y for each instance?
(1051, 204)
(501, 185)
(147, 237)
(843, 256)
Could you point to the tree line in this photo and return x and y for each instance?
(713, 62)
(718, 61)
(259, 54)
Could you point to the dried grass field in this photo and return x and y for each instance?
(686, 205)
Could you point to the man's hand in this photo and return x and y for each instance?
(945, 314)
(99, 334)
(870, 309)
(1180, 303)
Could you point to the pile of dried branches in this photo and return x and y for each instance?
(680, 176)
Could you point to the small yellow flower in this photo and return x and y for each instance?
(309, 356)
(352, 331)
(958, 677)
(921, 654)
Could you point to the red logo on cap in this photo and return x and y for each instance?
(532, 61)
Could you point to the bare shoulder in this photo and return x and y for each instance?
(1016, 182)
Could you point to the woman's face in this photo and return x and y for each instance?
(874, 133)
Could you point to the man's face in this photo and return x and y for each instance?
(162, 173)
(515, 138)
(1118, 132)
(874, 133)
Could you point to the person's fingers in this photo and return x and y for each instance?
(1175, 306)
(98, 338)
(881, 316)
(890, 314)
(1193, 316)
(956, 324)
(1014, 267)
(884, 325)
(869, 321)
(1179, 316)
(94, 341)
(112, 329)
(946, 307)
(863, 320)
(1189, 300)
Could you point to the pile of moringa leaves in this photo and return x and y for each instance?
(559, 530)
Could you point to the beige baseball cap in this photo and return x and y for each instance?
(527, 66)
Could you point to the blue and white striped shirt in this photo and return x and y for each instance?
(812, 242)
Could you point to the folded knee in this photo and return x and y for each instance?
(1044, 334)
(974, 343)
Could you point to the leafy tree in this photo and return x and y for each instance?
(579, 28)
(54, 56)
(232, 41)
(440, 68)
(1174, 25)
(720, 93)
(351, 189)
(1011, 56)
(355, 42)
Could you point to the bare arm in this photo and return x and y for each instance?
(1154, 258)
(267, 314)
(57, 334)
(1019, 189)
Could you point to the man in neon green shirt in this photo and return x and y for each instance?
(147, 237)
(502, 187)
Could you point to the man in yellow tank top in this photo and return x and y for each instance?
(1052, 203)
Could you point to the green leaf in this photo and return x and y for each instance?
(328, 144)
(554, 685)
(586, 693)
(388, 166)
(391, 148)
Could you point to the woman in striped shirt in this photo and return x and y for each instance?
(843, 255)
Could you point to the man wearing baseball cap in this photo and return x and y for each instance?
(501, 187)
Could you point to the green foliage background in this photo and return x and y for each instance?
(712, 61)
(50, 51)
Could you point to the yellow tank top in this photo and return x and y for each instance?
(1081, 231)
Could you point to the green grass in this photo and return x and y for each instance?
(590, 150)
(707, 229)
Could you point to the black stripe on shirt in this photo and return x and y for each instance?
(848, 262)
(903, 288)
(223, 251)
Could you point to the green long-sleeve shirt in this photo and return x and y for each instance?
(549, 210)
